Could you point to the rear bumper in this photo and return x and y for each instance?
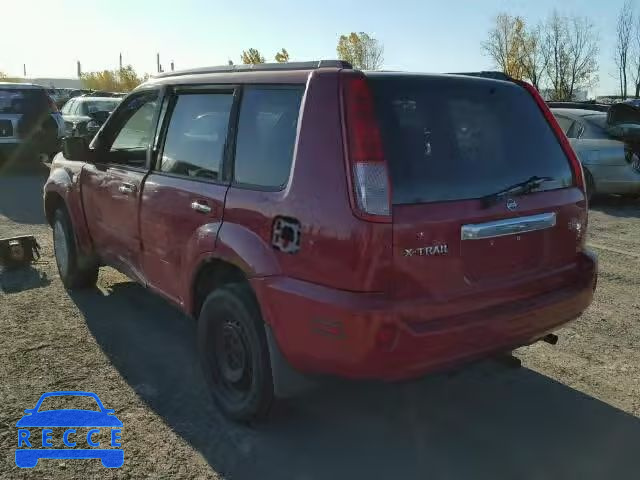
(320, 330)
(617, 179)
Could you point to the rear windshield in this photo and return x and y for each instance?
(22, 100)
(599, 120)
(449, 138)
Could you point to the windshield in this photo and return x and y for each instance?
(99, 106)
(450, 138)
(22, 100)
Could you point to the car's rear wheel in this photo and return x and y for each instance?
(75, 271)
(233, 351)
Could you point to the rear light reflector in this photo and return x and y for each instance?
(371, 188)
(386, 337)
(369, 176)
(576, 166)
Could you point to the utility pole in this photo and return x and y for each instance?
(79, 68)
(24, 69)
(158, 63)
(172, 65)
(120, 61)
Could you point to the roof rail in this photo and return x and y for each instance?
(486, 74)
(260, 67)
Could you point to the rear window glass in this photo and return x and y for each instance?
(266, 135)
(597, 120)
(18, 100)
(448, 138)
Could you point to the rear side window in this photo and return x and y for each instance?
(23, 100)
(565, 123)
(266, 135)
(197, 134)
(449, 138)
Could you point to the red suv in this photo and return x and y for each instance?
(316, 219)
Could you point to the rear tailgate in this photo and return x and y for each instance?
(451, 142)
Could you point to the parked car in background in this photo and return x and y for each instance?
(611, 163)
(30, 122)
(317, 219)
(83, 116)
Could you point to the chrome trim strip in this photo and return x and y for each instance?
(511, 226)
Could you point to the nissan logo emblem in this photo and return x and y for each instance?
(511, 204)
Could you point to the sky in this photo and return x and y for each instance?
(424, 36)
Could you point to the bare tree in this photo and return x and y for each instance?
(505, 44)
(635, 57)
(570, 47)
(624, 30)
(361, 50)
(534, 62)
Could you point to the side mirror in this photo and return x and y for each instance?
(76, 148)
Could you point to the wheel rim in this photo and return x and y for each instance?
(231, 360)
(61, 248)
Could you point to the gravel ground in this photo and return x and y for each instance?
(570, 412)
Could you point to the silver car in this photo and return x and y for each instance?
(611, 166)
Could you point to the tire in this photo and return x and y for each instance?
(233, 352)
(75, 272)
(590, 185)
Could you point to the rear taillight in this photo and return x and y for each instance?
(576, 166)
(369, 176)
(53, 108)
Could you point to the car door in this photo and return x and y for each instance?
(111, 185)
(184, 194)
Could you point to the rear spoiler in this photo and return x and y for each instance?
(485, 74)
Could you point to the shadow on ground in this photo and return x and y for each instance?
(617, 206)
(484, 421)
(21, 279)
(21, 193)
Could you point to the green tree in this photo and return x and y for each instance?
(251, 56)
(121, 80)
(3, 75)
(282, 56)
(361, 50)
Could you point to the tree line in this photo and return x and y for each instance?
(559, 54)
(362, 50)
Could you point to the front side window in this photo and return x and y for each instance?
(266, 135)
(136, 124)
(197, 134)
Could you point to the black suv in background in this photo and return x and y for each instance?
(30, 123)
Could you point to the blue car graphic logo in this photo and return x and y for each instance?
(28, 452)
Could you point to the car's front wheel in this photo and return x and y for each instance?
(75, 272)
(233, 351)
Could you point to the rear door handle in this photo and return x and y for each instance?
(200, 207)
(127, 188)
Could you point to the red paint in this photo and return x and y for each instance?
(348, 303)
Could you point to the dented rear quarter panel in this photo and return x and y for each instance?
(64, 181)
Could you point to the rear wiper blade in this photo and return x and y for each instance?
(528, 186)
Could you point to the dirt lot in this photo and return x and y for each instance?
(571, 412)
